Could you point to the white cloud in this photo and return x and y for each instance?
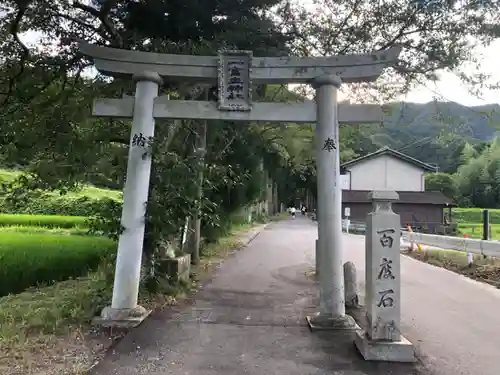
(450, 88)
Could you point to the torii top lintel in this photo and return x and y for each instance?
(278, 70)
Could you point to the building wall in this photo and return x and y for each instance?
(345, 181)
(420, 214)
(428, 214)
(385, 173)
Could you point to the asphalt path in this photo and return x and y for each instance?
(249, 319)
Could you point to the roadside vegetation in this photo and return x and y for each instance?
(484, 269)
(57, 273)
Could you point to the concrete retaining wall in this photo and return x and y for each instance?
(468, 245)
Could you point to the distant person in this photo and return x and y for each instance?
(304, 210)
(292, 212)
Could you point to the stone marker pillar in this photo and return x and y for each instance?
(124, 309)
(329, 250)
(382, 340)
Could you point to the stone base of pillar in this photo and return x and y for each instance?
(388, 351)
(319, 322)
(122, 318)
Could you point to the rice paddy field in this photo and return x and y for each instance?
(40, 244)
(470, 222)
(46, 239)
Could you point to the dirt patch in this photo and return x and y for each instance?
(483, 269)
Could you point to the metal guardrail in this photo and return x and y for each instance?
(467, 245)
(354, 226)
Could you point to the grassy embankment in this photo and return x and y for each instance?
(54, 278)
(470, 222)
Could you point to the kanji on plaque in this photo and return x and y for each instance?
(234, 81)
(235, 84)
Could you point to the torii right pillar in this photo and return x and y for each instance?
(332, 314)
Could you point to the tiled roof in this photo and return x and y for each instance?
(414, 197)
(394, 153)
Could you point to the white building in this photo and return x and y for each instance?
(387, 169)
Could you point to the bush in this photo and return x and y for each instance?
(30, 259)
(475, 215)
(42, 203)
(46, 221)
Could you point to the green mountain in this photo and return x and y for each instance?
(434, 132)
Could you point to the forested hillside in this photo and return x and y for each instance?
(434, 132)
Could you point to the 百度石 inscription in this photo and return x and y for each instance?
(385, 299)
(386, 240)
(234, 81)
(385, 271)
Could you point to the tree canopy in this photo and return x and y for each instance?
(47, 88)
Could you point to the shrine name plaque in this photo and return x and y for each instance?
(235, 86)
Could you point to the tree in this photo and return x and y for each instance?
(442, 182)
(435, 35)
(45, 94)
(45, 100)
(479, 177)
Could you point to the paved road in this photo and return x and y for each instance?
(250, 320)
(453, 321)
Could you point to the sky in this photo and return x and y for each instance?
(450, 88)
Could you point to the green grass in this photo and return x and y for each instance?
(92, 192)
(35, 229)
(485, 269)
(28, 259)
(88, 191)
(54, 321)
(451, 257)
(7, 176)
(86, 200)
(475, 230)
(46, 221)
(474, 215)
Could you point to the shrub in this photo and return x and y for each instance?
(46, 221)
(42, 203)
(29, 259)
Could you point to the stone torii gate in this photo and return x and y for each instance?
(235, 72)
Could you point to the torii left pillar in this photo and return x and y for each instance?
(124, 310)
(332, 314)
